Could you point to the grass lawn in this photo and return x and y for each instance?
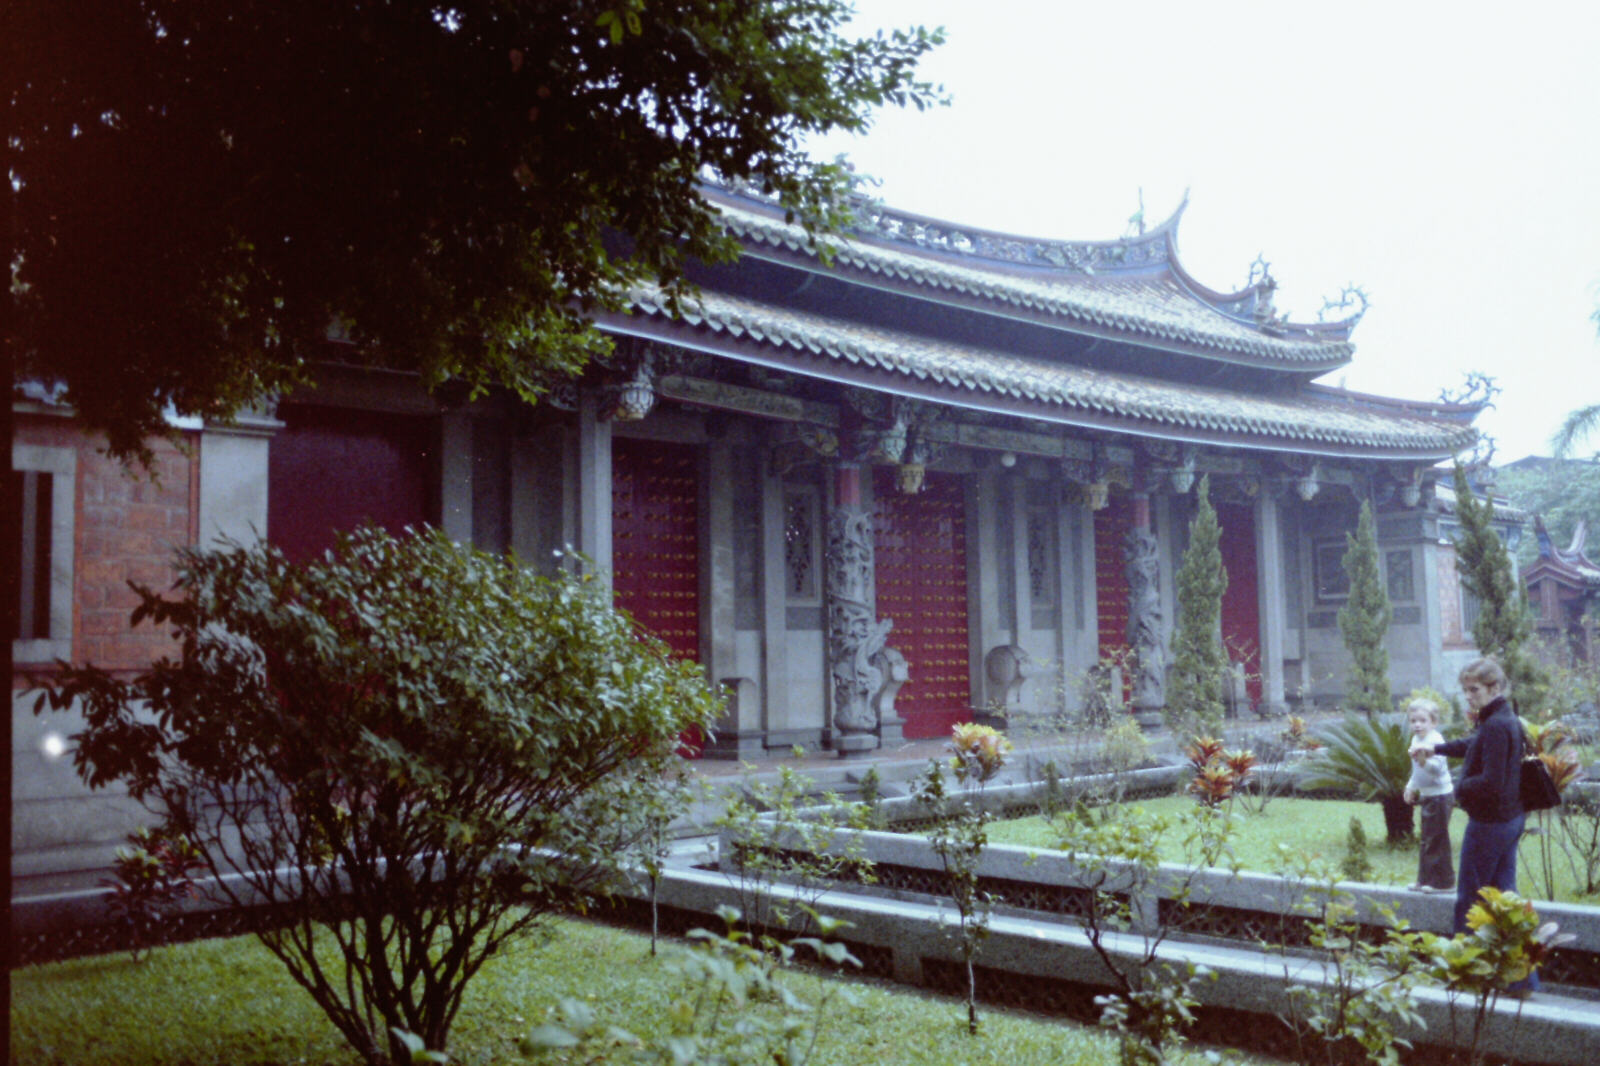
(230, 1002)
(1311, 828)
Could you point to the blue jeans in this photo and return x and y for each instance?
(1488, 858)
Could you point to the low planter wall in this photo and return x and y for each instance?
(1051, 967)
(1244, 909)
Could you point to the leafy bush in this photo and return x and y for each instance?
(1505, 942)
(149, 877)
(960, 834)
(1118, 852)
(1367, 992)
(714, 1021)
(390, 746)
(782, 832)
(1219, 774)
(1371, 760)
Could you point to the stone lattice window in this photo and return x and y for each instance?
(1041, 556)
(800, 545)
(1401, 585)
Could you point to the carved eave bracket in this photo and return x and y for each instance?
(801, 445)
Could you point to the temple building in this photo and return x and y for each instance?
(926, 472)
(921, 475)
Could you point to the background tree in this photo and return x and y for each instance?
(388, 748)
(1579, 426)
(1562, 491)
(1504, 627)
(1195, 683)
(200, 192)
(1364, 621)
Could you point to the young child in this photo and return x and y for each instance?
(1430, 786)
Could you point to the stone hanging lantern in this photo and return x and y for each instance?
(636, 396)
(908, 478)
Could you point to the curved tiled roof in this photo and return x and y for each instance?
(1153, 305)
(1320, 421)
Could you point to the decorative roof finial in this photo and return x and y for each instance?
(1261, 273)
(1351, 295)
(1136, 220)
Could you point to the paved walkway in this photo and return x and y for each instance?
(897, 766)
(907, 759)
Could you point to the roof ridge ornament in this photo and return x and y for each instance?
(1148, 248)
(1352, 295)
(1136, 220)
(1263, 286)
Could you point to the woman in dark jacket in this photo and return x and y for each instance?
(1488, 789)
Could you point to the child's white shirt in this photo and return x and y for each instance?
(1431, 777)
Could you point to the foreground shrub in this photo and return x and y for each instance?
(715, 1020)
(388, 747)
(149, 878)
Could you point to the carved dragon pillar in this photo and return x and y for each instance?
(1144, 616)
(855, 635)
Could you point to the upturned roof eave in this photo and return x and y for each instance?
(818, 365)
(766, 236)
(993, 306)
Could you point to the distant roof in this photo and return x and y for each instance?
(1503, 509)
(1133, 288)
(1572, 563)
(1309, 419)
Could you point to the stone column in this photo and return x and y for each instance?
(854, 633)
(1273, 605)
(774, 604)
(593, 483)
(738, 731)
(1144, 616)
(455, 476)
(984, 621)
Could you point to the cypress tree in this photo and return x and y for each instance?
(1364, 621)
(1199, 666)
(1504, 628)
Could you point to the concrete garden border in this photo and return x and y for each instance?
(1034, 935)
(1049, 966)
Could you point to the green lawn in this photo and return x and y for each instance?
(1311, 828)
(229, 1002)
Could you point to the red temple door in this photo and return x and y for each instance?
(1111, 526)
(655, 542)
(330, 470)
(1241, 607)
(921, 575)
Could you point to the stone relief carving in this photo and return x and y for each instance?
(1144, 619)
(855, 635)
(896, 672)
(1009, 668)
(799, 545)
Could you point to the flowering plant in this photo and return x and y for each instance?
(980, 751)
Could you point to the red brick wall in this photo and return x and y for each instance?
(126, 528)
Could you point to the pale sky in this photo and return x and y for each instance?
(1444, 157)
